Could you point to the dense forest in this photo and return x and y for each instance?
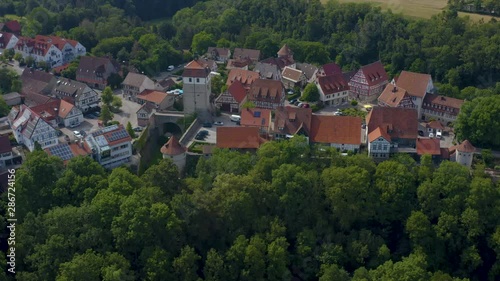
(289, 210)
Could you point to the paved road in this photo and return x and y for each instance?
(128, 112)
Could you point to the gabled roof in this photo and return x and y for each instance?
(134, 79)
(392, 95)
(5, 144)
(465, 146)
(148, 107)
(397, 122)
(153, 96)
(239, 137)
(308, 69)
(224, 52)
(377, 133)
(93, 64)
(285, 51)
(238, 63)
(289, 120)
(34, 99)
(281, 62)
(414, 83)
(374, 73)
(333, 83)
(207, 63)
(67, 151)
(336, 129)
(56, 41)
(443, 101)
(331, 68)
(195, 70)
(435, 125)
(428, 146)
(267, 71)
(109, 136)
(37, 75)
(246, 53)
(265, 89)
(255, 117)
(237, 90)
(246, 77)
(69, 88)
(167, 83)
(65, 108)
(172, 147)
(14, 26)
(5, 38)
(291, 74)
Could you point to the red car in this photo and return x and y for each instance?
(305, 105)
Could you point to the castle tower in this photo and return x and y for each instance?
(286, 52)
(464, 153)
(174, 151)
(197, 89)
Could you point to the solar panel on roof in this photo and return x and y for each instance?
(62, 151)
(121, 134)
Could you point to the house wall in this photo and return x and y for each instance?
(75, 117)
(333, 99)
(12, 43)
(347, 147)
(120, 154)
(196, 95)
(464, 158)
(44, 134)
(87, 99)
(379, 148)
(6, 159)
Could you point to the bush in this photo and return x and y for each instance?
(354, 102)
(316, 107)
(497, 167)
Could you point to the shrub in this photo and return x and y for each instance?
(354, 102)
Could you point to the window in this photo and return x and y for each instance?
(197, 80)
(385, 147)
(190, 80)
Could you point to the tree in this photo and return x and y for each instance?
(164, 175)
(9, 54)
(18, 57)
(475, 120)
(107, 96)
(217, 83)
(4, 108)
(106, 114)
(115, 80)
(214, 267)
(201, 42)
(248, 105)
(116, 103)
(186, 265)
(130, 130)
(311, 93)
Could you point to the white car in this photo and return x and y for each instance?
(219, 123)
(77, 134)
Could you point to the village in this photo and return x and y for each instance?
(357, 111)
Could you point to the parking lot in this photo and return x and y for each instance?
(128, 112)
(212, 131)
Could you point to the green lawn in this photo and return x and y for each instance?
(415, 8)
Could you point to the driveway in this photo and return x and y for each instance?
(127, 113)
(212, 132)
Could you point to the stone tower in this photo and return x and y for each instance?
(174, 151)
(464, 153)
(197, 90)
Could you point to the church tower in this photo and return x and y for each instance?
(197, 90)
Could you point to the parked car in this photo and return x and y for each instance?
(218, 123)
(305, 105)
(170, 67)
(77, 134)
(203, 132)
(207, 125)
(200, 136)
(299, 104)
(138, 129)
(83, 133)
(293, 101)
(178, 78)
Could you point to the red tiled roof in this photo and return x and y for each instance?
(396, 121)
(48, 111)
(238, 63)
(153, 96)
(292, 119)
(237, 90)
(223, 52)
(414, 83)
(435, 125)
(78, 150)
(266, 90)
(5, 144)
(59, 69)
(331, 68)
(255, 117)
(246, 77)
(292, 74)
(465, 146)
(392, 95)
(246, 53)
(331, 84)
(56, 41)
(428, 146)
(336, 129)
(108, 136)
(285, 51)
(377, 133)
(374, 73)
(239, 137)
(443, 101)
(14, 26)
(196, 70)
(172, 147)
(65, 108)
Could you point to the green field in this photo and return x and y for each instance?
(416, 8)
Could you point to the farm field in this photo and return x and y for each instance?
(416, 8)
